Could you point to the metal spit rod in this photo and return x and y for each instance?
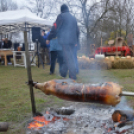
(126, 93)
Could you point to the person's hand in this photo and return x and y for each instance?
(42, 34)
(47, 42)
(75, 45)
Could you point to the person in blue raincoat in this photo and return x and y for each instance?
(56, 54)
(66, 30)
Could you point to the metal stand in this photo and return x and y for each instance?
(38, 55)
(29, 74)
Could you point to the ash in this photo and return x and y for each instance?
(87, 119)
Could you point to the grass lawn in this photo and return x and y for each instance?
(15, 104)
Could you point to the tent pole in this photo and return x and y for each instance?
(29, 74)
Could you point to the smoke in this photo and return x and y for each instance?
(99, 76)
(123, 105)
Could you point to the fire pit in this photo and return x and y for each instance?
(87, 119)
(81, 119)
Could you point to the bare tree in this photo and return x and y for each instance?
(88, 16)
(118, 19)
(6, 5)
(129, 16)
(3, 5)
(42, 8)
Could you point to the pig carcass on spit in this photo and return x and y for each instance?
(67, 89)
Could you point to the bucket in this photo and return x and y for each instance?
(99, 56)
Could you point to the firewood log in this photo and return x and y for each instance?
(104, 93)
(121, 115)
(3, 126)
(62, 111)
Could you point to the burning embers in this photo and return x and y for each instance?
(122, 115)
(43, 121)
(39, 121)
(90, 120)
(124, 119)
(93, 120)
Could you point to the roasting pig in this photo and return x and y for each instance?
(67, 89)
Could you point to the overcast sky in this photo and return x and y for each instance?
(20, 2)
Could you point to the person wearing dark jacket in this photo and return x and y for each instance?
(47, 49)
(7, 44)
(42, 46)
(44, 49)
(66, 30)
(2, 43)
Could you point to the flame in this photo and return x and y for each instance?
(105, 126)
(109, 130)
(47, 112)
(36, 125)
(118, 117)
(65, 119)
(40, 121)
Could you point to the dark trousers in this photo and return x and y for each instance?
(69, 62)
(56, 55)
(76, 60)
(45, 54)
(9, 58)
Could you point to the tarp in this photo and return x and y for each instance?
(10, 21)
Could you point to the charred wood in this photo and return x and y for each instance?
(123, 129)
(123, 115)
(3, 126)
(63, 111)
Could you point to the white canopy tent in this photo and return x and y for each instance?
(13, 21)
(23, 20)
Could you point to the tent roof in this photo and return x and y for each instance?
(10, 21)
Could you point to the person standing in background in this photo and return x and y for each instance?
(7, 43)
(67, 33)
(2, 43)
(1, 46)
(77, 47)
(47, 51)
(43, 45)
(56, 54)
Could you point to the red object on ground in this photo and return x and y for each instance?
(126, 49)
